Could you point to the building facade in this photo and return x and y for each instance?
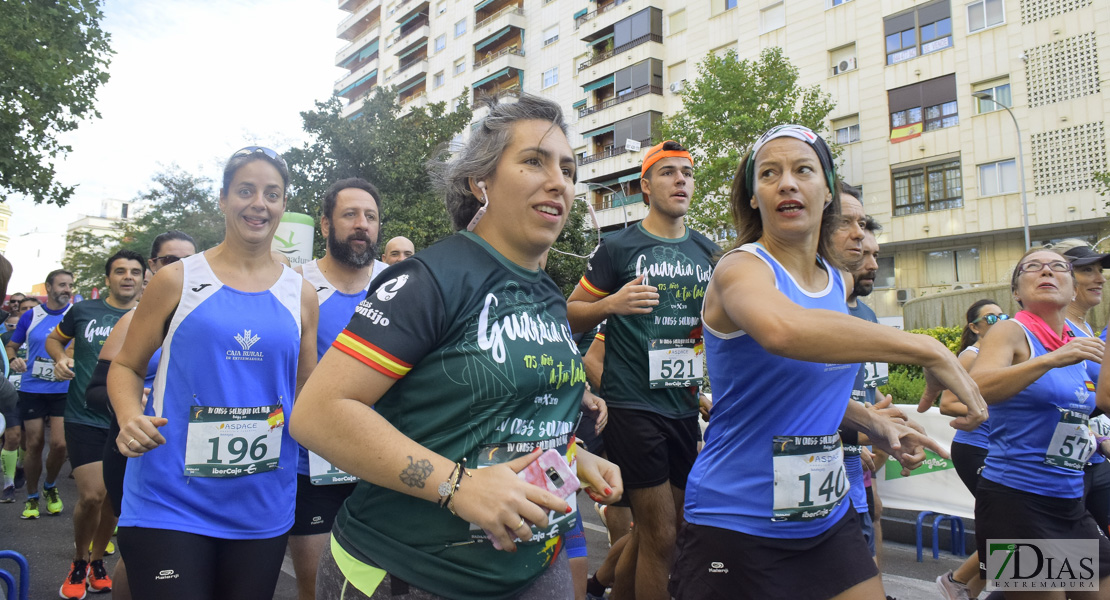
(939, 167)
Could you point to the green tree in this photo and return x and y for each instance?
(384, 148)
(177, 200)
(567, 269)
(729, 105)
(54, 56)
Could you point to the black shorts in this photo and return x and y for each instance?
(1003, 512)
(720, 563)
(40, 406)
(115, 466)
(1096, 493)
(317, 505)
(85, 444)
(969, 461)
(595, 442)
(651, 449)
(162, 563)
(9, 404)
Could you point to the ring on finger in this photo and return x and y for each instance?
(129, 442)
(521, 523)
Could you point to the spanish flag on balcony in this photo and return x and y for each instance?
(901, 134)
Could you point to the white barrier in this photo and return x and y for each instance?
(933, 486)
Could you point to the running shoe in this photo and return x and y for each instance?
(73, 588)
(53, 500)
(950, 588)
(99, 582)
(109, 550)
(8, 495)
(30, 509)
(20, 478)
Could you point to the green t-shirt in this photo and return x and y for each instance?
(88, 324)
(651, 359)
(486, 369)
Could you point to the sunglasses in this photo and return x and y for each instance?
(249, 150)
(168, 259)
(992, 319)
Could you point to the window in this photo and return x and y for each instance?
(550, 77)
(438, 79)
(998, 178)
(917, 32)
(926, 188)
(441, 42)
(846, 130)
(885, 277)
(677, 22)
(948, 267)
(771, 18)
(460, 28)
(984, 14)
(551, 35)
(833, 3)
(460, 66)
(931, 102)
(843, 59)
(717, 7)
(730, 4)
(441, 7)
(1000, 91)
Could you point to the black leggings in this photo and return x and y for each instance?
(163, 563)
(1096, 479)
(969, 461)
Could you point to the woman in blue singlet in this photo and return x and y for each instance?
(211, 481)
(1033, 375)
(765, 499)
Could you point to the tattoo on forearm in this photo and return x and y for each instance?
(417, 473)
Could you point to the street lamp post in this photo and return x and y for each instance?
(986, 95)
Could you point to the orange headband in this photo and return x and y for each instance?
(657, 153)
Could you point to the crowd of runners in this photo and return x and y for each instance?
(393, 422)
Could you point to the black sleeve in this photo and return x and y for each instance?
(96, 395)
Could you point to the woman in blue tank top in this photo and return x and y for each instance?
(765, 499)
(210, 485)
(1032, 373)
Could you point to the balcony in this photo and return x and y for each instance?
(581, 20)
(351, 79)
(405, 16)
(370, 36)
(603, 56)
(621, 99)
(507, 80)
(412, 102)
(511, 56)
(355, 107)
(512, 14)
(611, 152)
(359, 21)
(409, 73)
(350, 5)
(631, 210)
(412, 38)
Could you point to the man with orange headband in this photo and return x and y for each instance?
(648, 281)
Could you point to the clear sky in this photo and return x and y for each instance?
(191, 82)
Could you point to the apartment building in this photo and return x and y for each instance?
(939, 167)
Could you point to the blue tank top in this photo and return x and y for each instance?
(230, 353)
(1036, 442)
(980, 436)
(336, 309)
(746, 477)
(40, 322)
(1092, 373)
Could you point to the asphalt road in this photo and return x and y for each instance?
(47, 544)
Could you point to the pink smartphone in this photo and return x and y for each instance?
(551, 472)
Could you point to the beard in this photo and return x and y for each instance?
(345, 253)
(864, 285)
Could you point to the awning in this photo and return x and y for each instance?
(493, 38)
(581, 13)
(590, 134)
(627, 178)
(579, 104)
(408, 87)
(361, 81)
(414, 49)
(368, 50)
(483, 4)
(601, 39)
(497, 75)
(410, 19)
(604, 81)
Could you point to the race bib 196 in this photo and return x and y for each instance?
(675, 363)
(233, 442)
(322, 472)
(809, 476)
(1071, 443)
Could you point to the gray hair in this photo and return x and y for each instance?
(478, 159)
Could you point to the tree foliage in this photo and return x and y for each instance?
(387, 150)
(54, 57)
(729, 105)
(177, 200)
(565, 269)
